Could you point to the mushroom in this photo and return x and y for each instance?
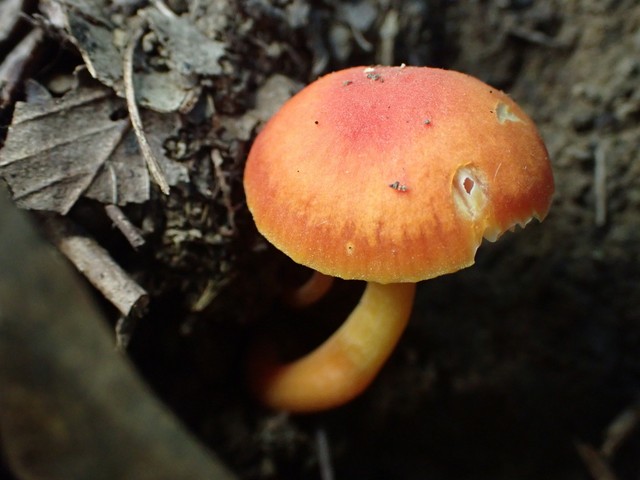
(390, 175)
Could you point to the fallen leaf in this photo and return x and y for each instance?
(185, 53)
(95, 41)
(10, 11)
(54, 148)
(60, 149)
(188, 50)
(124, 177)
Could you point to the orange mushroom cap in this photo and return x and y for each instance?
(395, 174)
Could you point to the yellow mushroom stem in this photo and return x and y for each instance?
(309, 292)
(345, 364)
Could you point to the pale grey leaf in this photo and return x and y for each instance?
(162, 91)
(54, 148)
(190, 51)
(9, 16)
(124, 177)
(98, 49)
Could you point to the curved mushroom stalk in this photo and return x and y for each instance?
(309, 292)
(345, 364)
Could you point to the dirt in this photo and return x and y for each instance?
(512, 369)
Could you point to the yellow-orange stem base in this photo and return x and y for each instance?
(345, 364)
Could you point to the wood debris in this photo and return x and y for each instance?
(595, 462)
(600, 184)
(598, 460)
(620, 429)
(134, 114)
(122, 223)
(95, 263)
(70, 406)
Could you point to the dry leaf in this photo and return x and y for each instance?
(96, 44)
(163, 91)
(54, 149)
(10, 11)
(188, 50)
(185, 53)
(124, 177)
(60, 149)
(16, 63)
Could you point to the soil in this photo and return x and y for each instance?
(512, 369)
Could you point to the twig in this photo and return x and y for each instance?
(95, 263)
(208, 295)
(225, 189)
(162, 8)
(596, 464)
(535, 37)
(134, 113)
(600, 185)
(324, 455)
(620, 428)
(122, 223)
(388, 34)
